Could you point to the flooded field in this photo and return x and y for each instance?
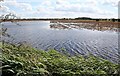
(81, 38)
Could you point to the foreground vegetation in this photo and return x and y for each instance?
(24, 60)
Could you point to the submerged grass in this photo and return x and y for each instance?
(27, 61)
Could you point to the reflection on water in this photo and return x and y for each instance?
(72, 37)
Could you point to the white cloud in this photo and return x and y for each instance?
(19, 5)
(63, 8)
(46, 3)
(25, 6)
(81, 8)
(4, 9)
(60, 2)
(113, 3)
(91, 2)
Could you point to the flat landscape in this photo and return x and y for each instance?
(74, 36)
(69, 37)
(59, 38)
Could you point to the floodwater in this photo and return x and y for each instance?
(74, 38)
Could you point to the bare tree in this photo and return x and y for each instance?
(9, 16)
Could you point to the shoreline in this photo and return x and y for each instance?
(83, 22)
(61, 20)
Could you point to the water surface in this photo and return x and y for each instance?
(74, 39)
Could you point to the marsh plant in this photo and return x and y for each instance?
(25, 60)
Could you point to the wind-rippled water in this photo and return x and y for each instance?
(84, 41)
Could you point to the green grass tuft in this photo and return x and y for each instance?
(28, 61)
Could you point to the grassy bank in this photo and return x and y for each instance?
(26, 61)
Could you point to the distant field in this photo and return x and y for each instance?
(61, 20)
(93, 22)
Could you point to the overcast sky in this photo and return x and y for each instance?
(61, 8)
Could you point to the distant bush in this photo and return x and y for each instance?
(24, 60)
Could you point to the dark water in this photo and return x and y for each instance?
(42, 35)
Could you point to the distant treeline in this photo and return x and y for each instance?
(79, 18)
(94, 19)
(98, 19)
